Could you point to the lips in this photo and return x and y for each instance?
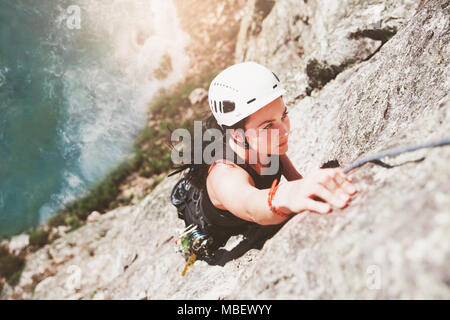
(282, 144)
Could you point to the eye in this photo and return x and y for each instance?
(284, 117)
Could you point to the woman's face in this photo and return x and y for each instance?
(267, 129)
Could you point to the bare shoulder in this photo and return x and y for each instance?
(224, 181)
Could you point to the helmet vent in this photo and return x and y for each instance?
(276, 77)
(241, 89)
(228, 106)
(224, 85)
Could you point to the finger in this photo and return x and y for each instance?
(336, 199)
(339, 177)
(336, 174)
(349, 188)
(316, 206)
(342, 184)
(327, 180)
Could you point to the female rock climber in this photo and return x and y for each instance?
(241, 185)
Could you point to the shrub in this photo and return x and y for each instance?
(39, 238)
(72, 222)
(14, 279)
(57, 220)
(11, 266)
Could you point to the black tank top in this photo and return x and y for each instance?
(224, 218)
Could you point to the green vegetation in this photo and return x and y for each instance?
(167, 105)
(11, 266)
(39, 238)
(100, 198)
(165, 67)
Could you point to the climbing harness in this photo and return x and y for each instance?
(375, 159)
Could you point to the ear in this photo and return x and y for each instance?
(237, 134)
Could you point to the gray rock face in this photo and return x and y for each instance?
(18, 243)
(308, 43)
(392, 241)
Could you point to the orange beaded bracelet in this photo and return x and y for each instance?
(272, 191)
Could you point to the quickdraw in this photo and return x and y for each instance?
(189, 242)
(189, 264)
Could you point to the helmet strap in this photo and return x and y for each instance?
(246, 144)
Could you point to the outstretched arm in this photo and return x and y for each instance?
(289, 171)
(235, 190)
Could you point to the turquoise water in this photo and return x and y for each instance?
(72, 100)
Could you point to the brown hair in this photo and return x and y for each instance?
(198, 172)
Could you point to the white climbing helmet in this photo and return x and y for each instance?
(242, 89)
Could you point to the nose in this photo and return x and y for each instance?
(284, 131)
